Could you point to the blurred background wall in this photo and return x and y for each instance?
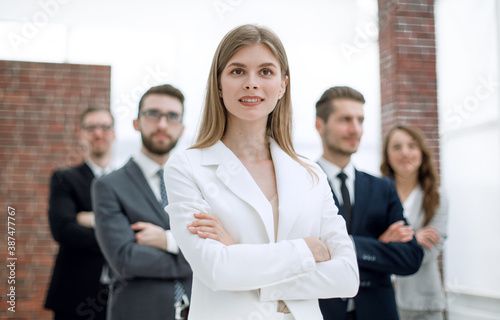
(39, 115)
(467, 35)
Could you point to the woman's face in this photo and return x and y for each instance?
(251, 83)
(405, 157)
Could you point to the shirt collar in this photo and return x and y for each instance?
(96, 169)
(148, 167)
(332, 170)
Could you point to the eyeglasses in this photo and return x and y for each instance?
(155, 116)
(94, 127)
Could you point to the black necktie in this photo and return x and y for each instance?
(179, 290)
(345, 198)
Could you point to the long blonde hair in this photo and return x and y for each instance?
(214, 119)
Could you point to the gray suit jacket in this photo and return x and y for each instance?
(142, 285)
(423, 290)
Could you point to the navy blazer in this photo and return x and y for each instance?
(376, 207)
(79, 262)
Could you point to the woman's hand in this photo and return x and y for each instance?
(318, 248)
(397, 232)
(428, 237)
(208, 226)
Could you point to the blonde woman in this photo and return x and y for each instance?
(407, 159)
(256, 222)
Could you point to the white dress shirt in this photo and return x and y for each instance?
(149, 169)
(97, 170)
(332, 170)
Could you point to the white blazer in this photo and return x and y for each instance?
(245, 280)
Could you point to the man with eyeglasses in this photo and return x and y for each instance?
(151, 278)
(78, 288)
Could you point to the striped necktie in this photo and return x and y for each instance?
(179, 290)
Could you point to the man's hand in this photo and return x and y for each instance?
(428, 237)
(318, 248)
(86, 219)
(150, 235)
(397, 232)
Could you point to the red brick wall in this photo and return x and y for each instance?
(408, 79)
(408, 67)
(40, 104)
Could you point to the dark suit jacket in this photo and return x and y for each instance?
(79, 262)
(143, 276)
(376, 207)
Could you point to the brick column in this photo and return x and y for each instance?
(408, 80)
(408, 67)
(40, 104)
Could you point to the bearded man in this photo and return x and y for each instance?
(151, 279)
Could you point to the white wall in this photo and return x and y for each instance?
(468, 95)
(164, 41)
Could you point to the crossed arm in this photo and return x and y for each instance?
(271, 267)
(428, 236)
(431, 237)
(63, 216)
(127, 255)
(208, 226)
(396, 250)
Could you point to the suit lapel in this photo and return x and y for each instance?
(83, 175)
(232, 173)
(337, 203)
(139, 181)
(361, 190)
(236, 177)
(291, 181)
(86, 171)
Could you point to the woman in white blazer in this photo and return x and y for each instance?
(256, 222)
(407, 159)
